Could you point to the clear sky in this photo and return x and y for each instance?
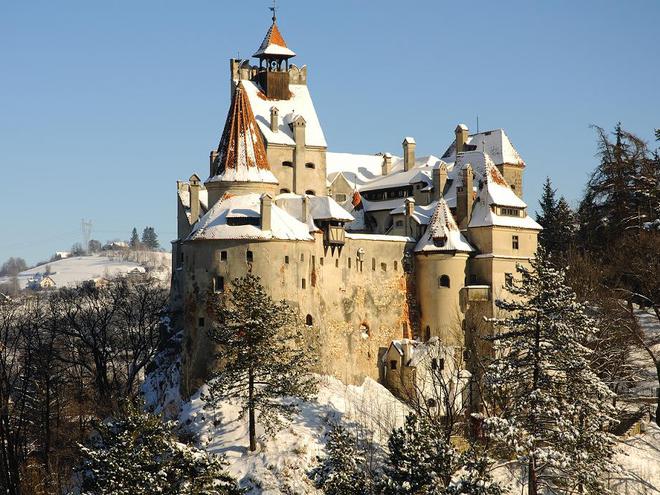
(104, 105)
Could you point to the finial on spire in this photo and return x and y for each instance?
(273, 9)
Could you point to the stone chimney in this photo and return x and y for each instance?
(299, 126)
(266, 208)
(408, 153)
(213, 156)
(406, 348)
(409, 210)
(274, 119)
(465, 198)
(387, 164)
(304, 208)
(194, 198)
(461, 137)
(439, 181)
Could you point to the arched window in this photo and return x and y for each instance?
(309, 321)
(443, 281)
(287, 164)
(309, 192)
(310, 165)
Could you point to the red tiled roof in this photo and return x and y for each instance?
(241, 144)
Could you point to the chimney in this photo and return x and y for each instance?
(274, 119)
(298, 125)
(304, 208)
(194, 198)
(406, 348)
(266, 204)
(409, 210)
(464, 198)
(212, 165)
(387, 164)
(439, 181)
(461, 137)
(408, 153)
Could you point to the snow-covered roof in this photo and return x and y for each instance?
(357, 169)
(215, 224)
(421, 213)
(320, 207)
(241, 153)
(299, 104)
(274, 44)
(184, 198)
(389, 204)
(379, 237)
(494, 191)
(422, 171)
(496, 143)
(442, 234)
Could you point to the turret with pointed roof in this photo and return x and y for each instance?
(274, 55)
(241, 163)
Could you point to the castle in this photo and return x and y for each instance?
(370, 249)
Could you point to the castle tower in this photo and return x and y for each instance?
(241, 165)
(274, 55)
(441, 258)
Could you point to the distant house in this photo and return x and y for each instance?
(47, 283)
(60, 255)
(115, 245)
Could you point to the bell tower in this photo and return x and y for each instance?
(274, 55)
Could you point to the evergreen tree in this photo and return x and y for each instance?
(564, 227)
(149, 238)
(419, 459)
(137, 453)
(135, 240)
(547, 216)
(343, 470)
(474, 478)
(553, 411)
(265, 360)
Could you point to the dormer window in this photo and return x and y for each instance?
(439, 241)
(510, 212)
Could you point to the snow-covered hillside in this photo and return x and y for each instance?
(74, 270)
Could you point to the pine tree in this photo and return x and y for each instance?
(474, 478)
(553, 411)
(137, 453)
(135, 240)
(342, 471)
(264, 356)
(150, 238)
(546, 217)
(564, 227)
(419, 459)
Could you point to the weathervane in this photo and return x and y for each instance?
(273, 9)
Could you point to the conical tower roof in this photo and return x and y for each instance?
(443, 233)
(274, 45)
(241, 153)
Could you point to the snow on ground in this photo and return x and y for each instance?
(283, 462)
(72, 271)
(648, 381)
(640, 458)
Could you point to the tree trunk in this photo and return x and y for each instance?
(251, 420)
(657, 394)
(532, 482)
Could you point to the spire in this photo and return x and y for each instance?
(241, 153)
(443, 233)
(273, 46)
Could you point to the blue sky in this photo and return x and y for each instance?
(104, 105)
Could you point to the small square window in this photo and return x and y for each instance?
(249, 256)
(393, 364)
(223, 255)
(383, 267)
(200, 322)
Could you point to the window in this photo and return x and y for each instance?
(287, 164)
(304, 283)
(337, 263)
(321, 261)
(431, 403)
(393, 364)
(284, 191)
(515, 243)
(309, 320)
(310, 192)
(437, 364)
(340, 198)
(443, 281)
(249, 256)
(427, 333)
(399, 223)
(349, 262)
(223, 255)
(434, 364)
(439, 241)
(302, 256)
(511, 212)
(200, 322)
(373, 264)
(396, 266)
(218, 284)
(508, 278)
(310, 165)
(313, 260)
(286, 260)
(237, 221)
